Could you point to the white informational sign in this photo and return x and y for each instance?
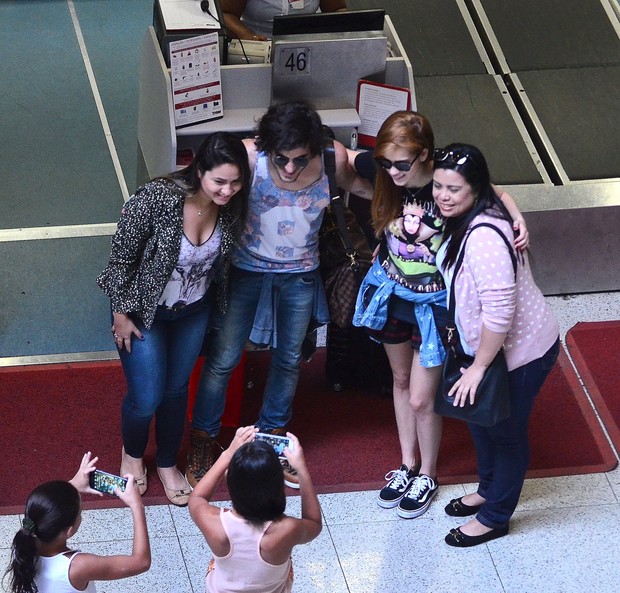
(196, 80)
(375, 102)
(186, 14)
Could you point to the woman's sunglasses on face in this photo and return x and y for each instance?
(300, 162)
(458, 158)
(402, 166)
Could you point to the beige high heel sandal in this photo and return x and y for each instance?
(180, 497)
(141, 481)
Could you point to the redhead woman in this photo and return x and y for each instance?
(402, 302)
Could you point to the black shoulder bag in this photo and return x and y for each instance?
(492, 401)
(344, 250)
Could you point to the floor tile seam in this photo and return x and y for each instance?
(187, 561)
(344, 576)
(369, 520)
(495, 567)
(613, 489)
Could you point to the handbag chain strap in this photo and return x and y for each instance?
(451, 328)
(336, 203)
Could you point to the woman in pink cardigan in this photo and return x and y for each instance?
(494, 308)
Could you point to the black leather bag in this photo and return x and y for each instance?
(345, 254)
(492, 401)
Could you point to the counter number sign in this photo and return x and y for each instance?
(294, 61)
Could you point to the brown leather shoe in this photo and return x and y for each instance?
(202, 454)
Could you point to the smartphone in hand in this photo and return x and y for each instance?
(279, 443)
(105, 482)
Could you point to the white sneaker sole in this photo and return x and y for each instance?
(294, 485)
(389, 504)
(412, 514)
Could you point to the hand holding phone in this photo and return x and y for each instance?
(106, 483)
(279, 443)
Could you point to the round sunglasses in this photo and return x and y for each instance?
(300, 162)
(402, 166)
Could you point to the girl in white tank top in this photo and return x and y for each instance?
(52, 516)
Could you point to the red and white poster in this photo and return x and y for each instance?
(196, 79)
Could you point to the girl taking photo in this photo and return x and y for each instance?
(252, 543)
(42, 561)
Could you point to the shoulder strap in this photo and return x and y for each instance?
(459, 260)
(336, 203)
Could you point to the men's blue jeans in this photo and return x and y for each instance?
(503, 451)
(293, 302)
(157, 372)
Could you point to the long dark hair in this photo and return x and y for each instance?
(289, 125)
(256, 483)
(471, 164)
(407, 130)
(50, 508)
(219, 148)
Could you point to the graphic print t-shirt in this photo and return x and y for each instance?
(409, 252)
(281, 233)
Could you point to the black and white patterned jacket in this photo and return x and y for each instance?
(146, 247)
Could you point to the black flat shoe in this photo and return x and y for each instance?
(457, 508)
(458, 539)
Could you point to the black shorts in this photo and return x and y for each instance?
(402, 325)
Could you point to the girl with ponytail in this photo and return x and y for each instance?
(41, 561)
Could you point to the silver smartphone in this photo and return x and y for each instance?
(279, 443)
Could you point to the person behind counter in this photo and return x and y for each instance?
(495, 307)
(168, 264)
(253, 19)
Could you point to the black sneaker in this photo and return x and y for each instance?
(418, 498)
(291, 479)
(399, 481)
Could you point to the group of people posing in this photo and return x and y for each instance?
(227, 249)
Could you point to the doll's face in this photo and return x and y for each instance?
(411, 222)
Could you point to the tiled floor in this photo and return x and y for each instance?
(563, 536)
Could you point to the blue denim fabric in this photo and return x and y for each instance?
(374, 316)
(503, 451)
(291, 308)
(157, 372)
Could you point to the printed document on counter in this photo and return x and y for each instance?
(375, 102)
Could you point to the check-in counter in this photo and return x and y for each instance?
(573, 215)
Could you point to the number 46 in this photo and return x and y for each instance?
(297, 60)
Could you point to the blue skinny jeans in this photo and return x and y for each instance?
(293, 301)
(503, 451)
(157, 372)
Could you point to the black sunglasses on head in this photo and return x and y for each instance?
(458, 158)
(300, 162)
(402, 166)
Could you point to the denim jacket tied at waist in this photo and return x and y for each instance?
(374, 316)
